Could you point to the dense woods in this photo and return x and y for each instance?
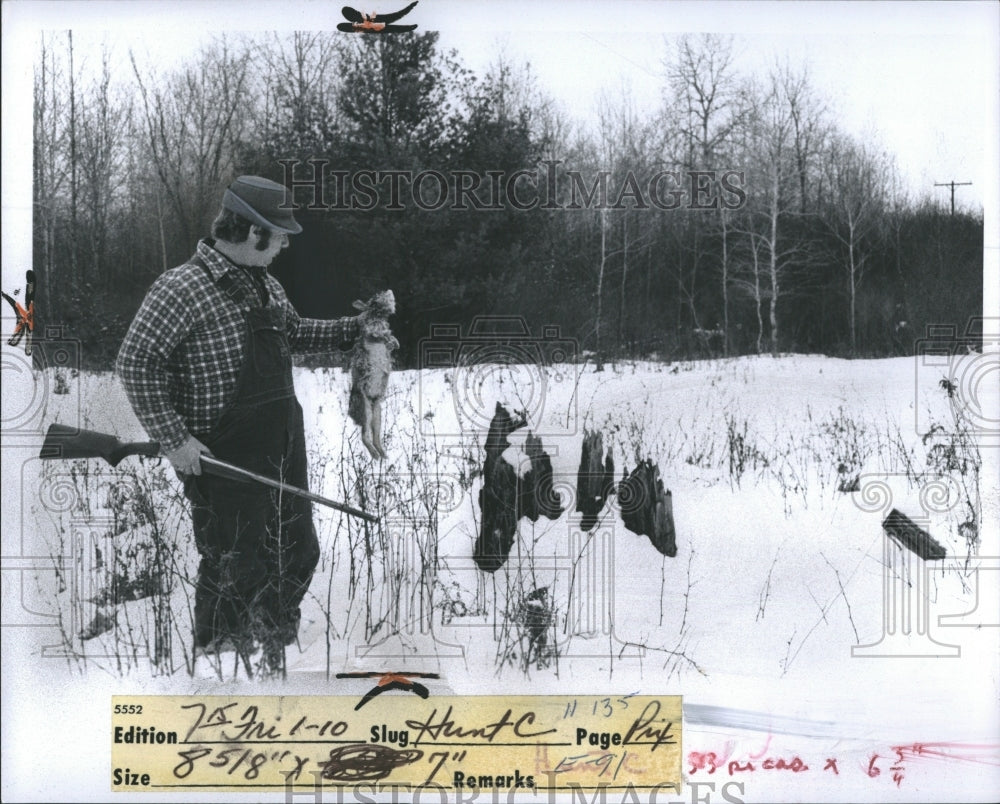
(786, 232)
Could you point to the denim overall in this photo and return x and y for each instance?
(258, 546)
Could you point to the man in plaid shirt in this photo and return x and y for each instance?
(207, 367)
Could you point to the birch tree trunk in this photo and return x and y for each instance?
(725, 284)
(773, 253)
(72, 162)
(621, 292)
(600, 287)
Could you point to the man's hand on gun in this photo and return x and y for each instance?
(186, 459)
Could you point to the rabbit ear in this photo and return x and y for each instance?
(360, 305)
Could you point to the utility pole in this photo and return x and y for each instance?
(953, 185)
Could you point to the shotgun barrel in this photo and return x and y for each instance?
(222, 469)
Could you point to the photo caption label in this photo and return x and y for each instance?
(459, 743)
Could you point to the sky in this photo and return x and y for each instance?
(920, 79)
(917, 76)
(921, 92)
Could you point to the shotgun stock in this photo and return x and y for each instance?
(68, 442)
(62, 442)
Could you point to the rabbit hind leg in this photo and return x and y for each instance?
(366, 430)
(376, 425)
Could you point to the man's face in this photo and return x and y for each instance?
(278, 241)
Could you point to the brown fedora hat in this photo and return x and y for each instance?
(263, 202)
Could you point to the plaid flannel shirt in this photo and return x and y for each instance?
(181, 358)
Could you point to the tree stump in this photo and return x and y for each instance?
(647, 508)
(536, 621)
(595, 479)
(498, 498)
(908, 534)
(536, 497)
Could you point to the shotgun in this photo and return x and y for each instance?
(69, 442)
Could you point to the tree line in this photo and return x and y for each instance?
(788, 233)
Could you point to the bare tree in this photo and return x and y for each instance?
(298, 84)
(704, 97)
(810, 127)
(623, 146)
(748, 277)
(194, 120)
(769, 148)
(48, 164)
(73, 185)
(634, 152)
(605, 155)
(103, 126)
(706, 100)
(857, 187)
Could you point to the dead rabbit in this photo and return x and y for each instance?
(371, 363)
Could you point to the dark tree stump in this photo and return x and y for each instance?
(536, 620)
(647, 508)
(908, 534)
(536, 497)
(498, 498)
(595, 480)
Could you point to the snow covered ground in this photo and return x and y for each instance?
(779, 573)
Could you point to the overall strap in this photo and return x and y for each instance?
(241, 296)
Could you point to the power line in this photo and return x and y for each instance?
(620, 55)
(953, 185)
